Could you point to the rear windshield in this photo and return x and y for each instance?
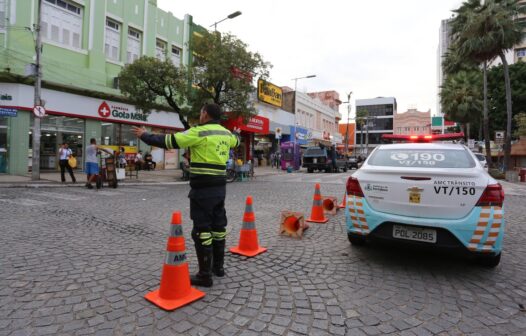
(428, 158)
(314, 152)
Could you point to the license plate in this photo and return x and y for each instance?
(415, 233)
(414, 197)
(314, 160)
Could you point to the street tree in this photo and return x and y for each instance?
(461, 97)
(223, 72)
(485, 32)
(150, 83)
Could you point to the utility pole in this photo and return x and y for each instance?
(348, 120)
(35, 169)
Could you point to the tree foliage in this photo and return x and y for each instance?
(149, 83)
(223, 72)
(461, 96)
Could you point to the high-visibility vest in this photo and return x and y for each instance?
(209, 144)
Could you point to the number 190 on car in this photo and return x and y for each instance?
(414, 233)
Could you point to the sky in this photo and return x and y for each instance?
(380, 48)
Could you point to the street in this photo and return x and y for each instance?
(79, 262)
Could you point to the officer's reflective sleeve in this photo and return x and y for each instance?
(234, 140)
(188, 138)
(157, 140)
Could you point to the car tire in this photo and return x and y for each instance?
(355, 239)
(490, 261)
(345, 169)
(310, 170)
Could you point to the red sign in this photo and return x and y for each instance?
(104, 110)
(240, 74)
(255, 124)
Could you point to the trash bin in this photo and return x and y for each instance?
(289, 169)
(522, 175)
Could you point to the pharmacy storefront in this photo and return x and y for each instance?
(73, 119)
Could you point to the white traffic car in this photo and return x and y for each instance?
(430, 194)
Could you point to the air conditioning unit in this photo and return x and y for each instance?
(116, 83)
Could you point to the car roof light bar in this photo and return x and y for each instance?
(422, 137)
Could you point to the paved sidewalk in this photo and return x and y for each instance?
(52, 179)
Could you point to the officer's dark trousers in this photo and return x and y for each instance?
(209, 231)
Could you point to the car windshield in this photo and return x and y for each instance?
(314, 152)
(422, 158)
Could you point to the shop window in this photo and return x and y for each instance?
(112, 40)
(62, 23)
(114, 134)
(3, 145)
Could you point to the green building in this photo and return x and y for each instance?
(86, 43)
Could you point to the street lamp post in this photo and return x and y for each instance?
(295, 110)
(231, 16)
(348, 102)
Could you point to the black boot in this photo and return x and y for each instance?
(218, 248)
(204, 276)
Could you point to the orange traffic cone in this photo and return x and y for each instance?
(248, 237)
(316, 214)
(330, 205)
(341, 206)
(175, 290)
(292, 224)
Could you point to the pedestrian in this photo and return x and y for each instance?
(209, 143)
(122, 158)
(92, 164)
(64, 154)
(139, 161)
(272, 159)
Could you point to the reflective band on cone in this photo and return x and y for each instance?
(175, 290)
(316, 215)
(248, 237)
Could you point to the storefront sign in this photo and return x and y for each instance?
(270, 93)
(5, 96)
(255, 124)
(120, 112)
(7, 112)
(77, 106)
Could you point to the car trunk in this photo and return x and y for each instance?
(434, 193)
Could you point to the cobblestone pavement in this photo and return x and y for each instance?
(79, 262)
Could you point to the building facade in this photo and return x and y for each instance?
(379, 119)
(412, 122)
(86, 43)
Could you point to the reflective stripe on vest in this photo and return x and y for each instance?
(213, 132)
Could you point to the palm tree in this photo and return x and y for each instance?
(461, 97)
(484, 32)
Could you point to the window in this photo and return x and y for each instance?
(134, 45)
(112, 40)
(2, 15)
(176, 56)
(160, 50)
(61, 23)
(423, 158)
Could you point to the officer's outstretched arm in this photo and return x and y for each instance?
(159, 140)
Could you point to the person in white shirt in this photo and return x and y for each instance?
(64, 154)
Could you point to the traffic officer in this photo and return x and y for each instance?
(210, 145)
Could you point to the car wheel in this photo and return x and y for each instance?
(345, 169)
(489, 261)
(310, 170)
(356, 239)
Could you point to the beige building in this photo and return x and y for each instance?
(412, 122)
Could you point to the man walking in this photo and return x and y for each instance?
(64, 154)
(210, 144)
(92, 164)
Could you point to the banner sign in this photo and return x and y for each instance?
(255, 124)
(7, 112)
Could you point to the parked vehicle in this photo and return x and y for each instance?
(324, 158)
(430, 195)
(353, 162)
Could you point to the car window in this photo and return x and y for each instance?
(480, 157)
(425, 158)
(314, 152)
